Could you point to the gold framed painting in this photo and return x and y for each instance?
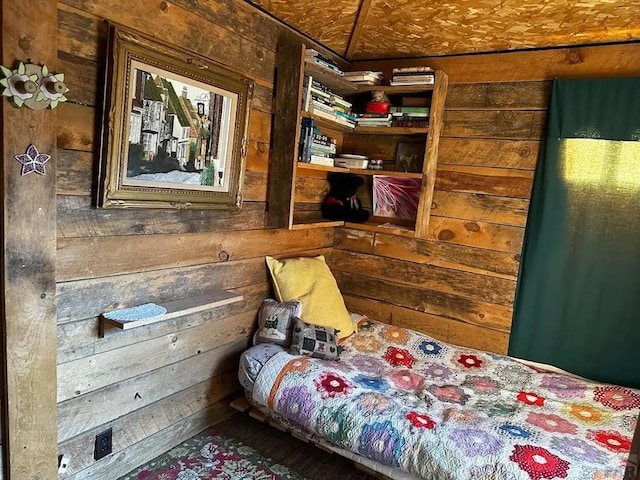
(174, 132)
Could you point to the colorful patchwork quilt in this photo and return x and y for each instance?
(444, 412)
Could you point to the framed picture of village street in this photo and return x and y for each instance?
(174, 128)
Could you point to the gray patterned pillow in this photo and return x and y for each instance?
(314, 340)
(275, 322)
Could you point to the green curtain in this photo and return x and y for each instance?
(577, 300)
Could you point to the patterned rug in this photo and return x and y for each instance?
(211, 456)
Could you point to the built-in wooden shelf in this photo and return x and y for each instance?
(390, 131)
(384, 225)
(396, 89)
(316, 224)
(358, 171)
(325, 123)
(334, 82)
(177, 308)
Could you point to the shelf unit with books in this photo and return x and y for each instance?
(297, 189)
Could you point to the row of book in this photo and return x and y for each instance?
(421, 75)
(316, 58)
(315, 147)
(403, 116)
(364, 77)
(319, 100)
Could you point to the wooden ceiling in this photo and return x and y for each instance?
(374, 29)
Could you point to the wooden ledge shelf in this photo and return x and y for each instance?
(175, 309)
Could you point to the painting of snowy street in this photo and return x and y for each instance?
(180, 131)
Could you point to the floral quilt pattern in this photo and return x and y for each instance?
(444, 412)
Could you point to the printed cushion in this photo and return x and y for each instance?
(309, 280)
(275, 322)
(314, 340)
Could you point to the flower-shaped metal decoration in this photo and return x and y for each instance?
(32, 160)
(33, 86)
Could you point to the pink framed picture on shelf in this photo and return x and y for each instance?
(395, 197)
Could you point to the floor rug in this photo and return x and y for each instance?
(246, 449)
(212, 456)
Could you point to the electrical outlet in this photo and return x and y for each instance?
(103, 445)
(63, 462)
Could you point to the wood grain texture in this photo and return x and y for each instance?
(488, 236)
(29, 256)
(108, 293)
(521, 154)
(85, 375)
(459, 257)
(518, 124)
(472, 285)
(618, 60)
(480, 207)
(441, 328)
(103, 256)
(490, 181)
(196, 407)
(436, 120)
(99, 407)
(286, 132)
(434, 302)
(76, 218)
(176, 26)
(499, 96)
(81, 338)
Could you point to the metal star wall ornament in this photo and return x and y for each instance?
(32, 161)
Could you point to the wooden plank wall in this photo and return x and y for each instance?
(458, 285)
(157, 385)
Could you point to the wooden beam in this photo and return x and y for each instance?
(29, 260)
(358, 25)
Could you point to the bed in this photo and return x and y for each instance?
(413, 407)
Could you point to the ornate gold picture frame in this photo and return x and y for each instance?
(174, 131)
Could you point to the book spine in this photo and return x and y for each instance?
(410, 123)
(412, 69)
(424, 110)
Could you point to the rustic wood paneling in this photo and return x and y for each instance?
(29, 256)
(491, 181)
(425, 300)
(103, 256)
(82, 338)
(499, 96)
(489, 152)
(472, 285)
(175, 25)
(184, 414)
(618, 60)
(76, 218)
(480, 207)
(441, 328)
(96, 408)
(476, 234)
(494, 124)
(85, 375)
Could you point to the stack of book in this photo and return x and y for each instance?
(314, 147)
(322, 102)
(364, 77)
(413, 76)
(415, 117)
(316, 58)
(374, 119)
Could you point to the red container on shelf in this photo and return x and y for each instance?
(377, 107)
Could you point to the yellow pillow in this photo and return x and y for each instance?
(309, 280)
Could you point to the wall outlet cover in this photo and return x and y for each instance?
(103, 445)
